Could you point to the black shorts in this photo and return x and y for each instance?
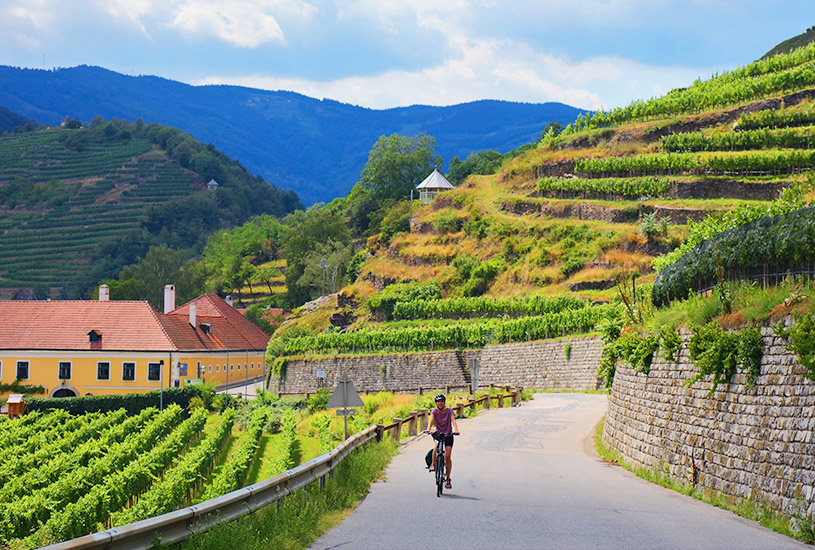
(448, 438)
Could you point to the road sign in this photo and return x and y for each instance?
(319, 374)
(344, 395)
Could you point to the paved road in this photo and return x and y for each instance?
(529, 478)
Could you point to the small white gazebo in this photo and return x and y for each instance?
(432, 185)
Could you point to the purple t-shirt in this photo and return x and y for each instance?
(444, 420)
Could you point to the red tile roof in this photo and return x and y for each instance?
(126, 326)
(228, 326)
(58, 325)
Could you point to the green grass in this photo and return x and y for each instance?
(754, 510)
(306, 514)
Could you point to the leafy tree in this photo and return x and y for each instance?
(325, 268)
(396, 165)
(145, 280)
(305, 233)
(483, 162)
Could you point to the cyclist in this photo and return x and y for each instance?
(446, 426)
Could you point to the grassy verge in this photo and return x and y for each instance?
(797, 526)
(306, 514)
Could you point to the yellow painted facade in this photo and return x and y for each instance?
(98, 373)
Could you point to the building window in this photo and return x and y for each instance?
(64, 370)
(199, 372)
(232, 366)
(153, 372)
(217, 368)
(252, 366)
(209, 368)
(128, 371)
(239, 366)
(22, 370)
(103, 370)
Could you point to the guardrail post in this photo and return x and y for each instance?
(492, 387)
(412, 421)
(380, 432)
(459, 410)
(396, 431)
(422, 419)
(500, 400)
(487, 400)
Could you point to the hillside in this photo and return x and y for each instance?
(78, 204)
(314, 147)
(9, 120)
(792, 43)
(585, 210)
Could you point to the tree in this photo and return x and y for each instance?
(483, 162)
(325, 268)
(305, 233)
(145, 280)
(396, 165)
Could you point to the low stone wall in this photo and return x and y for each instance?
(755, 443)
(541, 365)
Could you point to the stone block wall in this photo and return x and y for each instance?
(757, 443)
(542, 365)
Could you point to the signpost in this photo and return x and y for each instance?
(345, 396)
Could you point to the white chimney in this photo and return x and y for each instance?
(169, 298)
(104, 293)
(228, 299)
(192, 315)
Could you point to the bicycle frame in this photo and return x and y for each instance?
(440, 463)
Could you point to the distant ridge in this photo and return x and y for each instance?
(9, 120)
(315, 147)
(792, 43)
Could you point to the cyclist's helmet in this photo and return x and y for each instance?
(439, 397)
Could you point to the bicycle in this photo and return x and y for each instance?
(440, 462)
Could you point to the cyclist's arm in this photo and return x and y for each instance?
(455, 424)
(432, 422)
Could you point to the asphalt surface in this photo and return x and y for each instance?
(529, 477)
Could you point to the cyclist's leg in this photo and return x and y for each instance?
(448, 459)
(433, 457)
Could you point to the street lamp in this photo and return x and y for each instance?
(161, 382)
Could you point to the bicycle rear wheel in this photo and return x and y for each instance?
(439, 475)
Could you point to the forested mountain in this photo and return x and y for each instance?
(314, 147)
(9, 120)
(78, 204)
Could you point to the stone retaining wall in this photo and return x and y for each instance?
(755, 443)
(541, 365)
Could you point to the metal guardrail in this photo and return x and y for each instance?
(181, 524)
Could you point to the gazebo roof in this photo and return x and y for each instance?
(435, 181)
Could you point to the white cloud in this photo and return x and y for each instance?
(131, 10)
(471, 69)
(244, 23)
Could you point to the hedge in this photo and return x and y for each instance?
(133, 403)
(768, 245)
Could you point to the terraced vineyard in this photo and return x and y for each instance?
(595, 205)
(76, 205)
(60, 205)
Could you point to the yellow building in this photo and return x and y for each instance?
(102, 347)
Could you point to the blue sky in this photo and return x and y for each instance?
(383, 53)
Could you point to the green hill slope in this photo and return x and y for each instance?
(792, 43)
(582, 211)
(76, 205)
